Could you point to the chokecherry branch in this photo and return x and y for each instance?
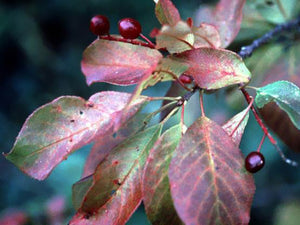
(131, 41)
(246, 51)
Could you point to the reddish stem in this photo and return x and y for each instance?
(201, 103)
(261, 143)
(147, 40)
(258, 119)
(134, 42)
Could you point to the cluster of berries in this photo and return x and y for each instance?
(128, 28)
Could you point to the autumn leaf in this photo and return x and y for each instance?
(214, 68)
(116, 188)
(209, 184)
(285, 94)
(118, 62)
(226, 16)
(235, 127)
(176, 38)
(104, 144)
(55, 130)
(157, 197)
(166, 12)
(206, 35)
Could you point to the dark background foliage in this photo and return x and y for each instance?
(41, 43)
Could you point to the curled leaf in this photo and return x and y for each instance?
(285, 94)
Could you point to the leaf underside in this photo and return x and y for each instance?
(55, 130)
(166, 12)
(209, 184)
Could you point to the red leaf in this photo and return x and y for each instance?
(209, 183)
(111, 139)
(166, 12)
(235, 127)
(13, 217)
(58, 128)
(116, 189)
(118, 62)
(227, 17)
(157, 197)
(214, 68)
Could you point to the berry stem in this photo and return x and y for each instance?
(134, 42)
(261, 143)
(147, 40)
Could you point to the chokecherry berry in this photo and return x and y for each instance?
(99, 25)
(254, 162)
(185, 79)
(129, 28)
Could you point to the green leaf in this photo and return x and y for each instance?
(176, 38)
(124, 161)
(166, 12)
(235, 127)
(208, 181)
(118, 62)
(55, 130)
(285, 94)
(214, 68)
(157, 197)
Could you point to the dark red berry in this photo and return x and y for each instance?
(99, 25)
(186, 79)
(129, 28)
(254, 162)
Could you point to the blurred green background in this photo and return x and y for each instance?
(41, 43)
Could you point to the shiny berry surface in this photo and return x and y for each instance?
(254, 162)
(129, 28)
(186, 79)
(99, 25)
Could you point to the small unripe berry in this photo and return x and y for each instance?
(99, 25)
(185, 79)
(254, 162)
(129, 28)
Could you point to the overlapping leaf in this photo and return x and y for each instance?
(157, 197)
(118, 62)
(227, 17)
(176, 38)
(235, 127)
(206, 35)
(104, 144)
(209, 184)
(58, 128)
(285, 94)
(166, 12)
(116, 185)
(214, 68)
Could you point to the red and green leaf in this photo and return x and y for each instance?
(227, 17)
(285, 94)
(118, 62)
(209, 184)
(116, 186)
(166, 12)
(235, 127)
(157, 197)
(66, 124)
(110, 140)
(214, 68)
